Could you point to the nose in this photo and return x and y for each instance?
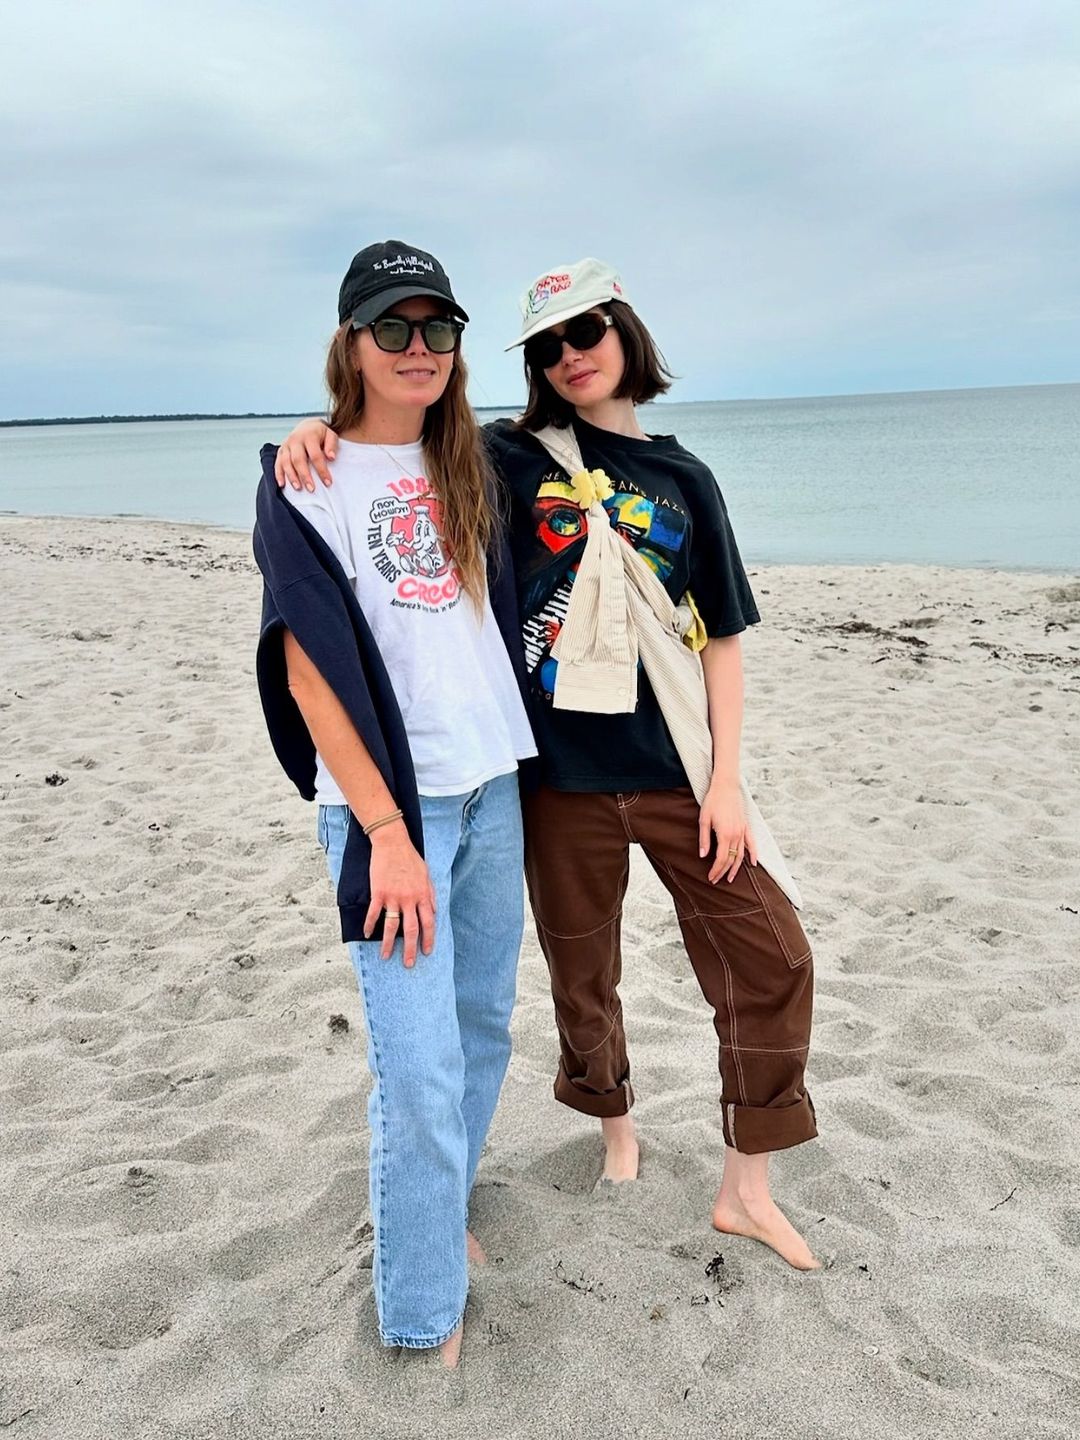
(416, 345)
(568, 351)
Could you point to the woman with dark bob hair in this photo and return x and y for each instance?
(615, 768)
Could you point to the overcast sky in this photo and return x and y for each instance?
(803, 197)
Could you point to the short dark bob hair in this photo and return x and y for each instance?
(645, 377)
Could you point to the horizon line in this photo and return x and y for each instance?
(186, 415)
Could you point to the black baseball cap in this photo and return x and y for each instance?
(383, 275)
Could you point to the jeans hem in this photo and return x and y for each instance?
(416, 1342)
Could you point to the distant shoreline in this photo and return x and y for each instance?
(149, 419)
(146, 419)
(516, 406)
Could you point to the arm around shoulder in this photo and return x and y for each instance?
(310, 443)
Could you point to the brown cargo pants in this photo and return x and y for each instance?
(744, 942)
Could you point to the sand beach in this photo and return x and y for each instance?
(185, 1240)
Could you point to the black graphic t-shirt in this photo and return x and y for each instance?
(668, 506)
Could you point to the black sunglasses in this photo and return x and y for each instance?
(394, 333)
(580, 333)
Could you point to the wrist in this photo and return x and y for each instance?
(390, 835)
(724, 779)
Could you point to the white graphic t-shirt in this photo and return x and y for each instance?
(449, 668)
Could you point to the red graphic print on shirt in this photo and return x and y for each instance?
(405, 543)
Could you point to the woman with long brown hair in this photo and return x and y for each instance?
(391, 676)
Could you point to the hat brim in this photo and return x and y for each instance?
(556, 317)
(387, 299)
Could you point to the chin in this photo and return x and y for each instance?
(423, 394)
(588, 395)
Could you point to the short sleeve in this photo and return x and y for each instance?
(317, 509)
(718, 580)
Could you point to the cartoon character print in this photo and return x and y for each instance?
(415, 539)
(657, 531)
(405, 544)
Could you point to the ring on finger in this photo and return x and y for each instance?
(392, 914)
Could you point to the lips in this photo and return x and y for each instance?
(581, 377)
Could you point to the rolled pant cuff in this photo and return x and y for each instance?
(756, 1129)
(400, 1341)
(588, 1102)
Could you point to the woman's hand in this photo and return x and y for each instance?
(310, 443)
(401, 886)
(723, 815)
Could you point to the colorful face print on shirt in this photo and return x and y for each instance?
(404, 541)
(559, 518)
(657, 530)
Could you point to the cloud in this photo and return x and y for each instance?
(801, 197)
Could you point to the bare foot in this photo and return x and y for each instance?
(450, 1350)
(620, 1142)
(761, 1219)
(474, 1251)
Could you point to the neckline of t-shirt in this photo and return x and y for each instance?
(413, 447)
(613, 439)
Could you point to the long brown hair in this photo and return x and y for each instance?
(645, 375)
(455, 459)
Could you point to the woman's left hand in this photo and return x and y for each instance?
(723, 816)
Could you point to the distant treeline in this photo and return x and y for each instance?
(136, 419)
(139, 419)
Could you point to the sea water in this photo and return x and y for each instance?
(953, 477)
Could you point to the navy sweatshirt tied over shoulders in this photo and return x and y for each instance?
(305, 590)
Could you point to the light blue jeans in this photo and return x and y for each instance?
(438, 1047)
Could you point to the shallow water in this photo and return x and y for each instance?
(957, 477)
